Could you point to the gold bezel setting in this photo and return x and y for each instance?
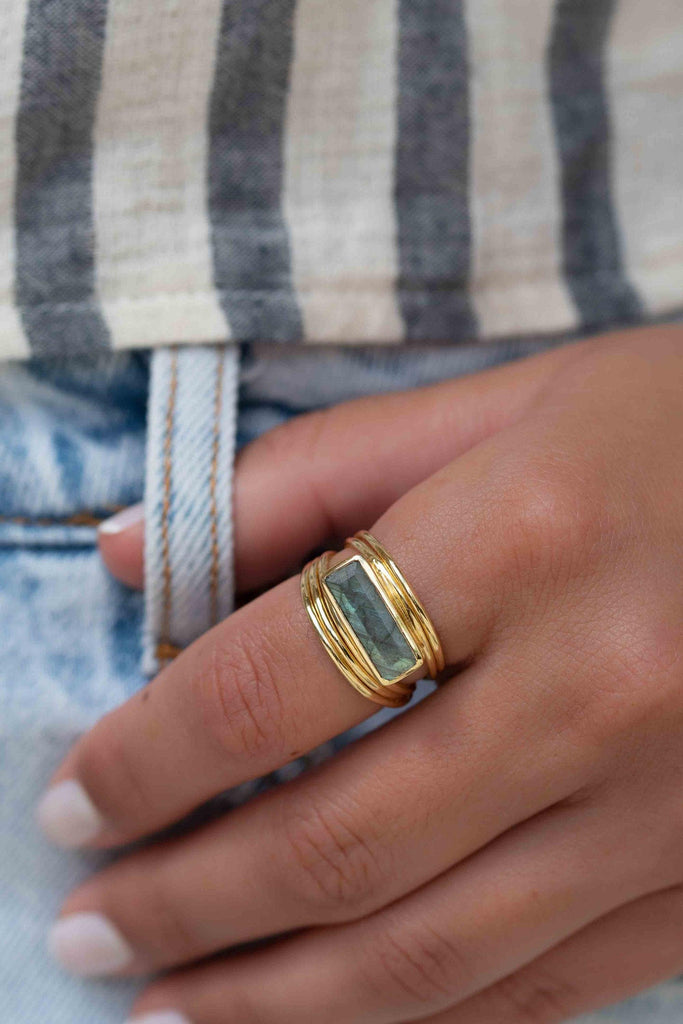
(418, 660)
(338, 636)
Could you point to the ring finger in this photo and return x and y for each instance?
(386, 816)
(619, 955)
(474, 925)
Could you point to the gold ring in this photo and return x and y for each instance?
(370, 622)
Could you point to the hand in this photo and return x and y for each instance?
(509, 851)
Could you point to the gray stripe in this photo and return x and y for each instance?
(55, 275)
(252, 264)
(592, 251)
(432, 171)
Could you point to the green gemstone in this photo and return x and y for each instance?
(371, 620)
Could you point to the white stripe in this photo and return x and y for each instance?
(517, 280)
(13, 342)
(154, 261)
(645, 76)
(339, 177)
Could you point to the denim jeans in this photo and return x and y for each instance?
(72, 449)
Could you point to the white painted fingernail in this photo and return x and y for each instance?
(88, 944)
(165, 1017)
(67, 815)
(122, 520)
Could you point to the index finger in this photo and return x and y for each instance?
(235, 705)
(381, 447)
(255, 692)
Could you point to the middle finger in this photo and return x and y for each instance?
(388, 815)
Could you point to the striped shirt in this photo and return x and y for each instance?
(177, 171)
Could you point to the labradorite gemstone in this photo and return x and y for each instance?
(371, 620)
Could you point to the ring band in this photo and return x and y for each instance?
(370, 622)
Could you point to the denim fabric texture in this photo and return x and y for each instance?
(72, 448)
(188, 542)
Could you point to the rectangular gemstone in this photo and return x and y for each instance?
(370, 619)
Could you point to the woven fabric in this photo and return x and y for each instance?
(200, 171)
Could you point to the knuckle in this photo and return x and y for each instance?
(538, 998)
(170, 936)
(239, 694)
(307, 438)
(633, 670)
(551, 523)
(113, 775)
(295, 437)
(302, 442)
(647, 647)
(421, 966)
(331, 865)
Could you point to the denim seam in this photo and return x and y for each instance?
(164, 647)
(215, 453)
(188, 520)
(85, 518)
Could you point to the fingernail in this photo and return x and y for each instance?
(165, 1017)
(88, 944)
(67, 815)
(122, 520)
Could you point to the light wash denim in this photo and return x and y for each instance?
(72, 448)
(188, 538)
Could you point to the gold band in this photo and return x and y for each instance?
(343, 625)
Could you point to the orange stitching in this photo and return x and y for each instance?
(166, 652)
(215, 553)
(166, 507)
(76, 519)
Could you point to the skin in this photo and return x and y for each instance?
(509, 850)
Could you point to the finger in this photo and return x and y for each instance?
(253, 693)
(475, 925)
(337, 470)
(120, 539)
(258, 689)
(234, 706)
(381, 819)
(622, 954)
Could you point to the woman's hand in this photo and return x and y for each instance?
(509, 851)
